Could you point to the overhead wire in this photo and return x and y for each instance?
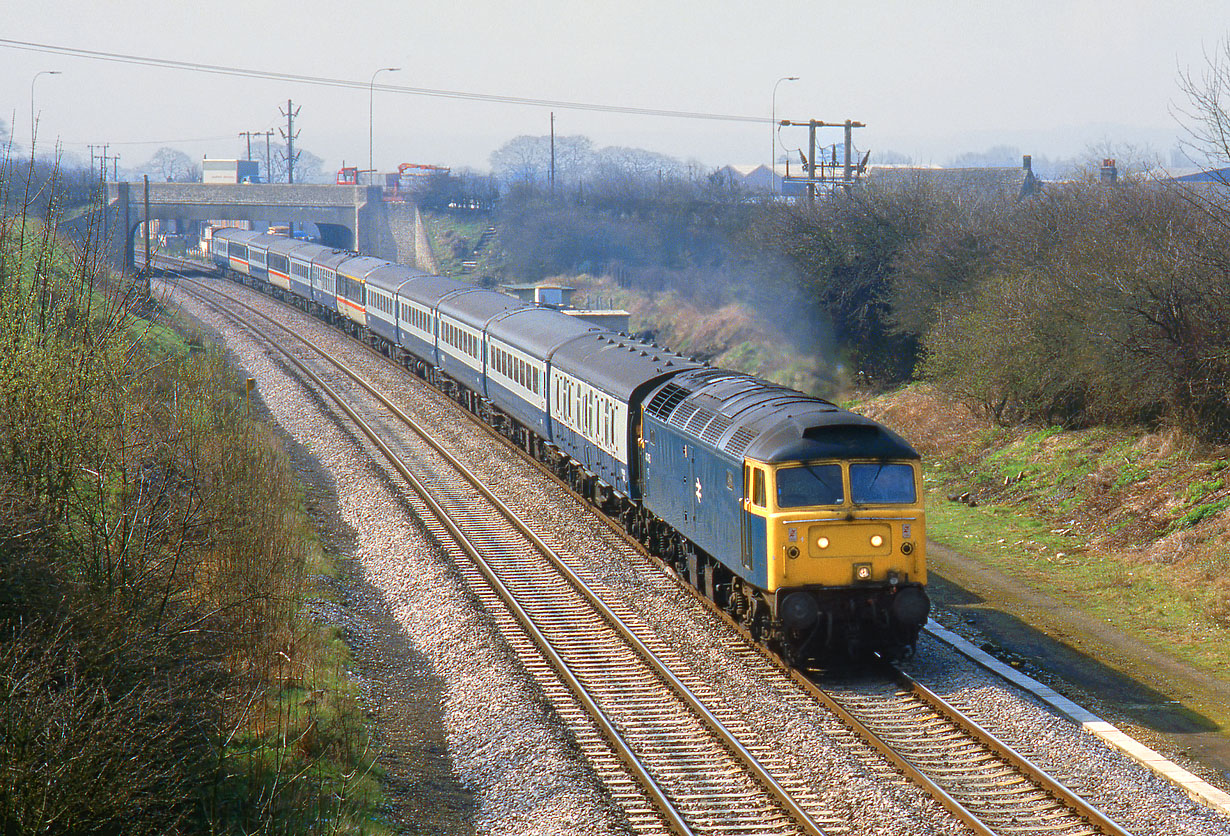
(323, 81)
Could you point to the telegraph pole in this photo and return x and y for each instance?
(115, 166)
(146, 270)
(248, 136)
(552, 178)
(268, 171)
(816, 176)
(290, 134)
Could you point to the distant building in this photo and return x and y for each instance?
(230, 172)
(1199, 175)
(554, 295)
(560, 297)
(986, 182)
(750, 177)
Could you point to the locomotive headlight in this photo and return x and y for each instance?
(862, 571)
(876, 541)
(823, 542)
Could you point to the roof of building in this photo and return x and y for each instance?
(1011, 181)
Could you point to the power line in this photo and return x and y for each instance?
(320, 81)
(158, 141)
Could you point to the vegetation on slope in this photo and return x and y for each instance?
(158, 671)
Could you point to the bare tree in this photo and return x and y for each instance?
(1207, 117)
(170, 164)
(526, 160)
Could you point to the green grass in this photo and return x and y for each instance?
(1025, 533)
(1142, 599)
(444, 228)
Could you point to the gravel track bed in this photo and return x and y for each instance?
(841, 769)
(508, 766)
(1124, 790)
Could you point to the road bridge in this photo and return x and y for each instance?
(349, 217)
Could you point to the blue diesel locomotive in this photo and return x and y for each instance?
(802, 520)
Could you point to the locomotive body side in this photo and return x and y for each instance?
(802, 519)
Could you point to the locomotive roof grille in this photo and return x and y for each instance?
(699, 419)
(680, 416)
(740, 441)
(667, 398)
(714, 429)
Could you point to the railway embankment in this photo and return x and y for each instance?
(1095, 558)
(163, 666)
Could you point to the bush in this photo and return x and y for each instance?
(151, 627)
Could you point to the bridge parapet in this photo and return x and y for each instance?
(353, 217)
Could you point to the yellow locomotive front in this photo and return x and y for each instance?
(845, 547)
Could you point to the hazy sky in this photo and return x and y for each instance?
(929, 79)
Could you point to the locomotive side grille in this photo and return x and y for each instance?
(740, 441)
(701, 417)
(679, 417)
(714, 429)
(666, 400)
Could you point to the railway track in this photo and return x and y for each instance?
(984, 782)
(697, 773)
(611, 670)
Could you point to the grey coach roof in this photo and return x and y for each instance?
(304, 250)
(477, 306)
(332, 258)
(617, 364)
(431, 289)
(537, 331)
(357, 267)
(392, 276)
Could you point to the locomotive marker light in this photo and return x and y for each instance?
(823, 542)
(876, 541)
(862, 571)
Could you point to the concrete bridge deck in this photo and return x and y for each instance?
(349, 217)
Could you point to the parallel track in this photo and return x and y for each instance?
(979, 779)
(698, 773)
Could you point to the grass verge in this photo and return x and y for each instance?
(1126, 527)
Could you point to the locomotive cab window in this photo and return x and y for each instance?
(756, 492)
(811, 484)
(882, 484)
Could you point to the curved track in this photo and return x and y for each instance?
(695, 771)
(698, 774)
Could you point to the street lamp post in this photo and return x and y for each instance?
(773, 129)
(371, 98)
(32, 123)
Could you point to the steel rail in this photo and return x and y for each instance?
(1034, 773)
(1041, 777)
(750, 761)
